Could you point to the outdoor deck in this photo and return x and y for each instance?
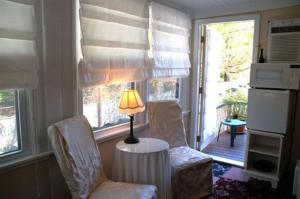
(222, 148)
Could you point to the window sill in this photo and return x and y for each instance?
(100, 137)
(111, 134)
(24, 161)
(104, 136)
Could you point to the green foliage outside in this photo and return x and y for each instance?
(236, 104)
(8, 131)
(233, 97)
(236, 55)
(236, 49)
(7, 98)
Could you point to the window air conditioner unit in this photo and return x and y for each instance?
(284, 41)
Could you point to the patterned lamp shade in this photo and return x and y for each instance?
(131, 103)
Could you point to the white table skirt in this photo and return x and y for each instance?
(143, 164)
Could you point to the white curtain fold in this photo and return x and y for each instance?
(18, 56)
(121, 43)
(114, 41)
(169, 42)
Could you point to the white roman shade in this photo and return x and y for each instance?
(169, 41)
(114, 41)
(18, 57)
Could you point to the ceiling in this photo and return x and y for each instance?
(210, 8)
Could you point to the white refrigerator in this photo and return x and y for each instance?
(268, 110)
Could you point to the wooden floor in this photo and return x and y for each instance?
(222, 148)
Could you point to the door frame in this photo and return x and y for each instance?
(197, 52)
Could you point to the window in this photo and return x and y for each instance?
(163, 89)
(100, 105)
(9, 122)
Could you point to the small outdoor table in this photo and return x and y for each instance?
(234, 124)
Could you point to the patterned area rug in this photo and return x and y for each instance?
(220, 169)
(236, 188)
(232, 189)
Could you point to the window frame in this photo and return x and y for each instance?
(140, 122)
(18, 124)
(178, 89)
(141, 86)
(100, 129)
(139, 119)
(179, 98)
(25, 128)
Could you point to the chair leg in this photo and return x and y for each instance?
(219, 132)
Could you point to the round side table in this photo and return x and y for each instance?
(147, 162)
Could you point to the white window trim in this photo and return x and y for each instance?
(27, 133)
(180, 91)
(141, 121)
(116, 132)
(28, 106)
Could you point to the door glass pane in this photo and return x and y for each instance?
(9, 137)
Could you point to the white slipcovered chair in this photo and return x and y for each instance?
(191, 169)
(79, 159)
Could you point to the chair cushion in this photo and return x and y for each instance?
(117, 190)
(184, 157)
(191, 173)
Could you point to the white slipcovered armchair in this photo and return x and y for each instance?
(79, 159)
(191, 169)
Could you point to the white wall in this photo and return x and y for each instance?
(54, 100)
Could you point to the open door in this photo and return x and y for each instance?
(227, 49)
(210, 75)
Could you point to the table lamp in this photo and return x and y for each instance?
(131, 104)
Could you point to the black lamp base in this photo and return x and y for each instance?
(131, 140)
